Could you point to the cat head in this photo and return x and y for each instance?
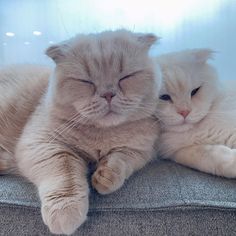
(106, 78)
(189, 88)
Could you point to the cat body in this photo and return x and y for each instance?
(199, 116)
(21, 88)
(96, 106)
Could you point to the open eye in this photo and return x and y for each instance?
(165, 97)
(195, 91)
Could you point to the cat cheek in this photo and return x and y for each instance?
(133, 86)
(79, 105)
(168, 115)
(76, 87)
(124, 88)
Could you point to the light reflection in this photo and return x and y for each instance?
(10, 34)
(37, 33)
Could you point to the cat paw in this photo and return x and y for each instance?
(65, 216)
(231, 165)
(109, 177)
(227, 165)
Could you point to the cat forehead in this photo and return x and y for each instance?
(102, 44)
(105, 47)
(119, 37)
(106, 55)
(177, 79)
(195, 56)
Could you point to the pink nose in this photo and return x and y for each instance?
(108, 96)
(184, 113)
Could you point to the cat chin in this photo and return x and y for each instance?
(179, 128)
(110, 120)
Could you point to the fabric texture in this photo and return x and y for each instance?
(164, 198)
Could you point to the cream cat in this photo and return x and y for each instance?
(197, 115)
(97, 107)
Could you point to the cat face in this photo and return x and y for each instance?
(107, 78)
(189, 89)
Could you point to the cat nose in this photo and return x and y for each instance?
(108, 96)
(184, 113)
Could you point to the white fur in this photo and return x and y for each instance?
(206, 138)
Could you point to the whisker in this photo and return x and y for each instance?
(62, 126)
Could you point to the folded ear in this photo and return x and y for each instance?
(147, 40)
(202, 55)
(57, 52)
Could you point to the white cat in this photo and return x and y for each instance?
(197, 114)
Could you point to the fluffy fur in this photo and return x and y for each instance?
(97, 107)
(199, 121)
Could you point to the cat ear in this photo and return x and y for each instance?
(57, 52)
(201, 56)
(147, 40)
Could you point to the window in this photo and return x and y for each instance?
(28, 27)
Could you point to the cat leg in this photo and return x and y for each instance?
(61, 179)
(214, 159)
(113, 169)
(64, 195)
(7, 162)
(5, 159)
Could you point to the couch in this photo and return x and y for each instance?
(164, 198)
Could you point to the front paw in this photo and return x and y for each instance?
(109, 176)
(64, 215)
(226, 162)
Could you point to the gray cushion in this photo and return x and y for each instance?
(162, 199)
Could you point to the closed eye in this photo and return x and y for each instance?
(82, 80)
(194, 91)
(165, 97)
(130, 75)
(86, 81)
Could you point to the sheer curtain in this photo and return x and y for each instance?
(27, 27)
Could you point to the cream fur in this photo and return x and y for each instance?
(21, 88)
(206, 138)
(64, 125)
